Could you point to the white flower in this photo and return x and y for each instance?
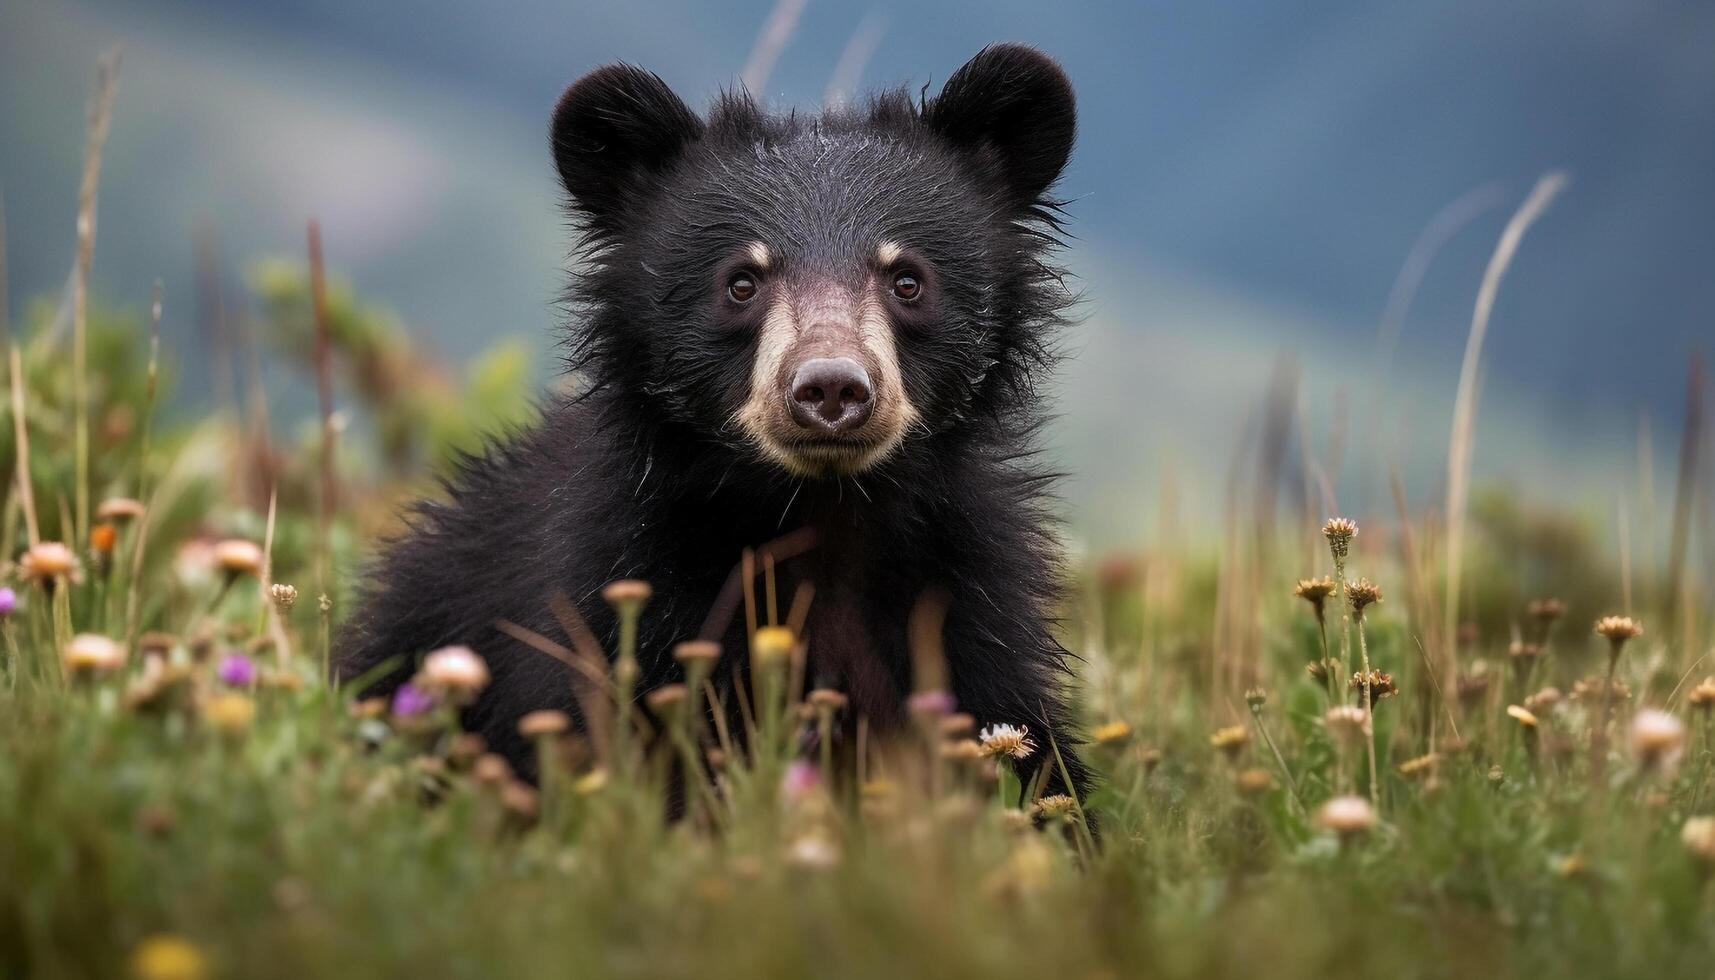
(455, 669)
(1346, 815)
(998, 740)
(1658, 739)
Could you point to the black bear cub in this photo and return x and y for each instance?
(833, 324)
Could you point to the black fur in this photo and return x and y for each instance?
(643, 475)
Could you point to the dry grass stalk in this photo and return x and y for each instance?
(1465, 402)
(22, 434)
(134, 595)
(100, 115)
(324, 398)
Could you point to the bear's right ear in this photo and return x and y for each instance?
(613, 129)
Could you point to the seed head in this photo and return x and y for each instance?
(1698, 836)
(1113, 733)
(1340, 531)
(1545, 611)
(544, 723)
(90, 654)
(236, 556)
(1658, 739)
(1007, 740)
(1592, 689)
(1381, 685)
(1543, 700)
(1253, 781)
(49, 561)
(627, 592)
(1348, 816)
(324, 603)
(1524, 653)
(1229, 741)
(1361, 594)
(1256, 697)
(456, 670)
(119, 510)
(1056, 807)
(1315, 591)
(1702, 697)
(1618, 629)
(1320, 669)
(284, 596)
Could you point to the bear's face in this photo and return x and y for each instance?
(818, 291)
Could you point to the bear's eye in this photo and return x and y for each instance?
(907, 287)
(741, 288)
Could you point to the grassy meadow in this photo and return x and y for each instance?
(1322, 754)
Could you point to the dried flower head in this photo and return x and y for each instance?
(230, 713)
(772, 645)
(1150, 758)
(1543, 700)
(1698, 836)
(1593, 688)
(544, 723)
(957, 725)
(1380, 684)
(1315, 591)
(1545, 611)
(1658, 739)
(119, 510)
(1229, 741)
(456, 670)
(626, 592)
(1618, 629)
(1524, 652)
(89, 654)
(521, 801)
(1007, 741)
(1473, 687)
(1523, 716)
(1702, 697)
(667, 699)
(1320, 669)
(1253, 781)
(284, 596)
(49, 561)
(1347, 816)
(1256, 698)
(1112, 733)
(1347, 723)
(324, 604)
(962, 750)
(236, 556)
(491, 769)
(1056, 807)
(1362, 594)
(827, 699)
(1340, 531)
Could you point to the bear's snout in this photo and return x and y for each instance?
(830, 395)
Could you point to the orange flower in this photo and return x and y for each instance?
(102, 538)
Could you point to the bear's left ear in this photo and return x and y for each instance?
(613, 129)
(1012, 107)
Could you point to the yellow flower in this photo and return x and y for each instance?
(230, 713)
(168, 957)
(1231, 739)
(1112, 733)
(772, 644)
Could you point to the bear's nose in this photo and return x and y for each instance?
(830, 395)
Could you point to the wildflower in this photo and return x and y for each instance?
(1007, 740)
(962, 750)
(1315, 591)
(667, 699)
(1112, 733)
(1573, 865)
(1497, 776)
(813, 852)
(1339, 531)
(88, 654)
(164, 956)
(544, 723)
(1473, 687)
(324, 604)
(697, 652)
(1423, 765)
(1658, 739)
(491, 769)
(1256, 697)
(454, 670)
(1591, 689)
(103, 538)
(826, 698)
(1698, 836)
(772, 645)
(1348, 816)
(1618, 629)
(1230, 740)
(1056, 807)
(1523, 652)
(236, 556)
(1545, 611)
(119, 510)
(1543, 700)
(411, 701)
(8, 601)
(1362, 594)
(626, 592)
(521, 801)
(1702, 697)
(49, 562)
(1253, 781)
(1347, 723)
(801, 781)
(1523, 716)
(930, 705)
(467, 747)
(236, 670)
(1150, 757)
(1320, 669)
(1380, 684)
(284, 596)
(229, 714)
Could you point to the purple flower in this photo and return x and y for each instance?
(8, 601)
(801, 780)
(930, 704)
(410, 701)
(236, 670)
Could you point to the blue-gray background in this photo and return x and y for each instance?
(1249, 180)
